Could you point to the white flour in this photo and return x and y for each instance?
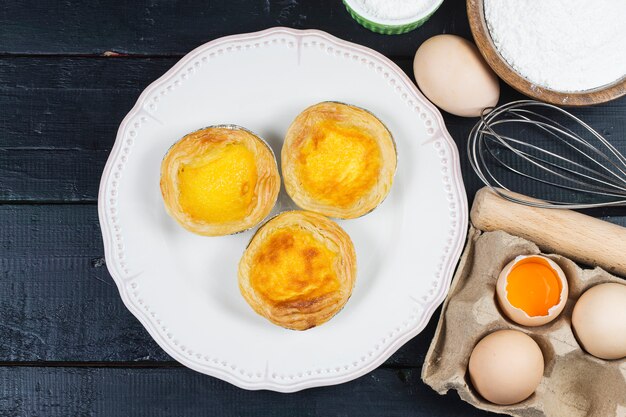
(394, 9)
(565, 45)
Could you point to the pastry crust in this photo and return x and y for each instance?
(338, 160)
(298, 270)
(219, 180)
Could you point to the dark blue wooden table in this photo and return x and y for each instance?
(69, 72)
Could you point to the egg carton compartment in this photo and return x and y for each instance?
(574, 382)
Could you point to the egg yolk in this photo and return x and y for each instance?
(294, 267)
(338, 165)
(220, 186)
(533, 286)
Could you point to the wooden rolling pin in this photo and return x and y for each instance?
(577, 236)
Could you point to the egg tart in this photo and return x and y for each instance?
(338, 160)
(298, 270)
(219, 180)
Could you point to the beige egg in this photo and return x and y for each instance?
(506, 367)
(532, 290)
(599, 320)
(454, 76)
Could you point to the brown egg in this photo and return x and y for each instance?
(599, 320)
(506, 367)
(454, 76)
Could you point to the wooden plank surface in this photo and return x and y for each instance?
(165, 27)
(165, 392)
(61, 115)
(68, 345)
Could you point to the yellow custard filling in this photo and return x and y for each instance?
(292, 266)
(207, 194)
(338, 165)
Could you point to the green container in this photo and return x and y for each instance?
(387, 26)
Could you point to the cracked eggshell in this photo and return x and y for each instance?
(518, 315)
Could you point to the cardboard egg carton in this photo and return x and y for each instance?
(574, 382)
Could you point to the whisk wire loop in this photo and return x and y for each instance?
(532, 158)
(577, 158)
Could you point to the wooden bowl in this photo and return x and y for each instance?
(476, 15)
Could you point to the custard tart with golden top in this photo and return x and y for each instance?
(298, 270)
(219, 180)
(338, 160)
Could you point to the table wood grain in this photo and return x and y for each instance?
(69, 72)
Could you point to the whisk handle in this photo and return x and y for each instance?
(577, 236)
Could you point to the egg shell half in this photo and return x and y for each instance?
(518, 315)
(453, 75)
(599, 320)
(506, 367)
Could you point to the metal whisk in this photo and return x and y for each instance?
(568, 159)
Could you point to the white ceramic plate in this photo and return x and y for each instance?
(183, 288)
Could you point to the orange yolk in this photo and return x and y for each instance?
(533, 286)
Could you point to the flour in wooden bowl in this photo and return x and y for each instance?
(563, 45)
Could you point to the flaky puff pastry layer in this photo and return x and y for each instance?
(298, 270)
(338, 160)
(219, 180)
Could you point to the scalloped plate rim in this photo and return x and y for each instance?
(399, 341)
